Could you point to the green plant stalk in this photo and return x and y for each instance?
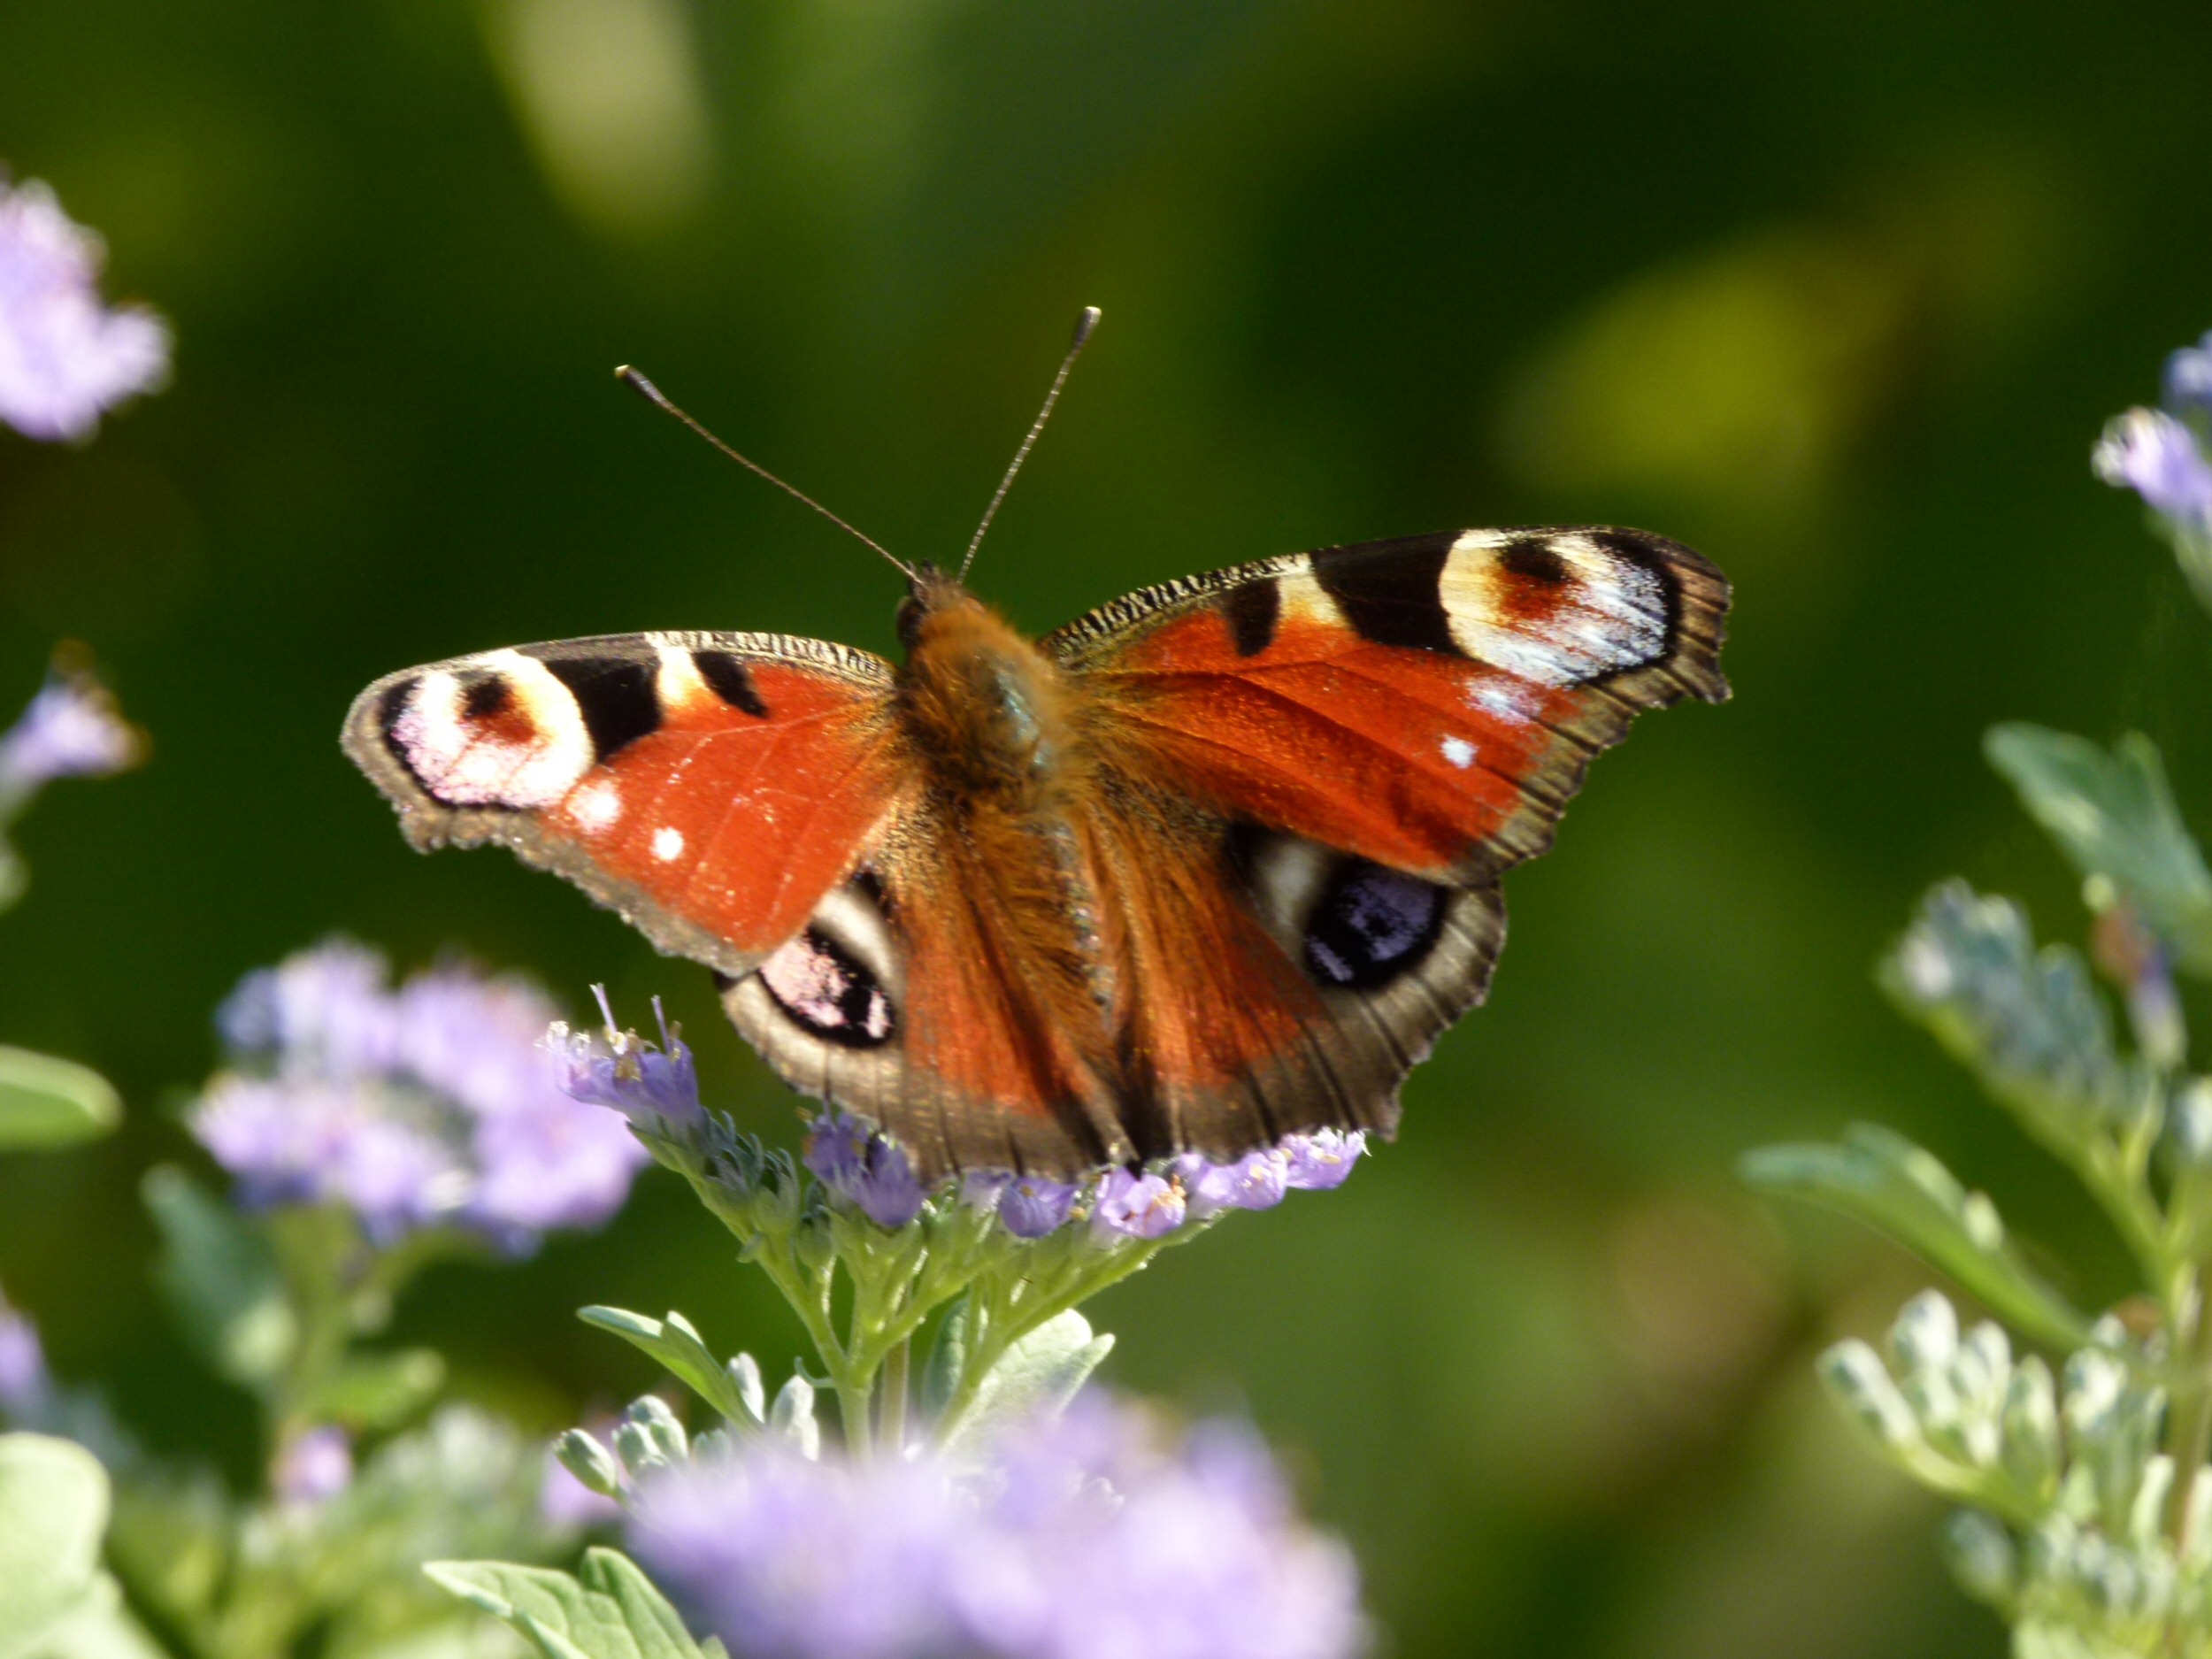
(891, 1423)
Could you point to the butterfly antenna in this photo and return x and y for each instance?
(1084, 323)
(652, 394)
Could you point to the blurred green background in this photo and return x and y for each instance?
(1837, 293)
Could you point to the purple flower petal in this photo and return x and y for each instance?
(2148, 451)
(1032, 1206)
(851, 1158)
(1137, 1206)
(1255, 1181)
(64, 356)
(313, 1467)
(1323, 1159)
(25, 1383)
(72, 729)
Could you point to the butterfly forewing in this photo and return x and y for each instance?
(710, 786)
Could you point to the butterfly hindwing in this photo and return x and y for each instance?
(710, 786)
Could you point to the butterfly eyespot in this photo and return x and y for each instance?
(829, 993)
(1372, 925)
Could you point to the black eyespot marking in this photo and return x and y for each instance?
(1535, 560)
(1370, 926)
(1252, 609)
(1390, 596)
(615, 697)
(728, 678)
(484, 697)
(829, 991)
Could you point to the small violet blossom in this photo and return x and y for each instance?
(313, 1467)
(434, 1104)
(65, 356)
(1138, 1206)
(1088, 1536)
(854, 1160)
(653, 1087)
(25, 1383)
(2150, 452)
(72, 729)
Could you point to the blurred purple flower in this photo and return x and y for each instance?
(629, 1073)
(1323, 1159)
(432, 1105)
(1087, 1537)
(72, 729)
(2150, 452)
(2188, 380)
(1137, 1206)
(25, 1383)
(314, 1467)
(64, 356)
(852, 1158)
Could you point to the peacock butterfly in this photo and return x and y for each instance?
(1213, 865)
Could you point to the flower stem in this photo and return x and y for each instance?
(2191, 1437)
(891, 1419)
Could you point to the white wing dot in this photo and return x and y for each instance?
(1460, 752)
(668, 842)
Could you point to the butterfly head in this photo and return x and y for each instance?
(930, 592)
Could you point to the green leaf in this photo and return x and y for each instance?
(676, 1345)
(53, 1513)
(2112, 814)
(221, 1279)
(1039, 1374)
(376, 1391)
(46, 1101)
(609, 1610)
(1895, 1187)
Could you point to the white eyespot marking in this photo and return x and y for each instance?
(850, 915)
(596, 806)
(1590, 611)
(1460, 752)
(493, 730)
(668, 842)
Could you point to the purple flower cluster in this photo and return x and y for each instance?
(1089, 1537)
(859, 1162)
(434, 1104)
(72, 729)
(64, 356)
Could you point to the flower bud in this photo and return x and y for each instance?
(793, 1417)
(1855, 1374)
(650, 1413)
(744, 1372)
(1981, 1555)
(1926, 1333)
(2031, 1453)
(592, 1463)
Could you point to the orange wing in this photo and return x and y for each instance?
(1428, 703)
(711, 787)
